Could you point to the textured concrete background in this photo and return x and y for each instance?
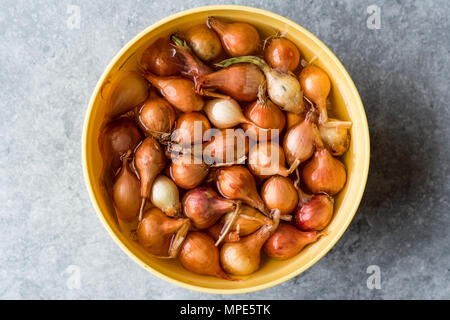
(49, 230)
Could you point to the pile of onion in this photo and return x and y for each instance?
(220, 149)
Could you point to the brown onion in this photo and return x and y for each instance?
(282, 54)
(126, 192)
(324, 173)
(159, 58)
(316, 86)
(204, 42)
(335, 135)
(241, 82)
(244, 257)
(280, 193)
(314, 213)
(149, 161)
(190, 65)
(288, 241)
(301, 140)
(238, 38)
(227, 146)
(156, 117)
(204, 206)
(188, 173)
(161, 235)
(266, 159)
(283, 88)
(180, 92)
(248, 221)
(201, 256)
(237, 183)
(117, 137)
(185, 128)
(126, 91)
(263, 114)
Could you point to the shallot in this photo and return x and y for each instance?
(204, 42)
(126, 195)
(201, 256)
(316, 86)
(244, 257)
(282, 54)
(283, 88)
(149, 161)
(240, 81)
(288, 241)
(238, 38)
(180, 92)
(324, 173)
(165, 196)
(160, 235)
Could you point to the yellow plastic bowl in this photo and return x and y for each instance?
(346, 105)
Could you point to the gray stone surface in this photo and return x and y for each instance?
(47, 74)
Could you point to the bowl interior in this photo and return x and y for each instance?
(346, 105)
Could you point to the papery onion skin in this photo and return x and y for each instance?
(180, 92)
(315, 214)
(204, 42)
(156, 230)
(215, 231)
(190, 65)
(316, 85)
(117, 137)
(283, 88)
(126, 192)
(165, 196)
(264, 115)
(186, 173)
(288, 241)
(237, 183)
(324, 173)
(184, 131)
(225, 147)
(240, 81)
(282, 54)
(300, 141)
(238, 38)
(266, 159)
(156, 117)
(249, 220)
(224, 113)
(126, 91)
(279, 193)
(244, 257)
(204, 207)
(159, 58)
(201, 256)
(149, 161)
(236, 261)
(336, 139)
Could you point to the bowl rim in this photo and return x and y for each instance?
(366, 150)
